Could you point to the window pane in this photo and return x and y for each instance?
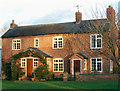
(60, 60)
(55, 38)
(98, 59)
(23, 62)
(98, 42)
(35, 62)
(60, 44)
(36, 42)
(93, 40)
(99, 36)
(98, 66)
(14, 40)
(55, 60)
(60, 65)
(55, 44)
(55, 67)
(18, 45)
(59, 38)
(18, 40)
(35, 59)
(93, 64)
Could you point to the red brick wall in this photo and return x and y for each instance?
(107, 77)
(72, 43)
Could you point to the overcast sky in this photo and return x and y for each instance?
(30, 12)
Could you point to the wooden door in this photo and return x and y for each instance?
(29, 67)
(76, 65)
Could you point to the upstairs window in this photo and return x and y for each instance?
(57, 42)
(16, 43)
(96, 64)
(96, 41)
(36, 42)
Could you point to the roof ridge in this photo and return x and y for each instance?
(46, 24)
(59, 23)
(95, 19)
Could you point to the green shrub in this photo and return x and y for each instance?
(42, 72)
(21, 74)
(32, 75)
(58, 78)
(70, 78)
(11, 70)
(16, 70)
(115, 70)
(6, 67)
(50, 76)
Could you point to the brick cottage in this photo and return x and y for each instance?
(74, 47)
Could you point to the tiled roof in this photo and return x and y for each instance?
(79, 53)
(85, 26)
(39, 51)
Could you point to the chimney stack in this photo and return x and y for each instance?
(12, 25)
(13, 21)
(78, 17)
(111, 14)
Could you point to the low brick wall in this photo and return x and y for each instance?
(98, 77)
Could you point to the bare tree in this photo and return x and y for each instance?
(106, 28)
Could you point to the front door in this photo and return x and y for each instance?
(29, 67)
(76, 66)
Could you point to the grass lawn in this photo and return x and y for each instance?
(60, 85)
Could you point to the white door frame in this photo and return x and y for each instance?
(73, 65)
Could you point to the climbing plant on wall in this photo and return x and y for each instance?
(15, 68)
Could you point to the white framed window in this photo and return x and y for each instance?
(96, 41)
(16, 44)
(96, 64)
(36, 42)
(85, 64)
(35, 62)
(58, 65)
(57, 42)
(23, 62)
(111, 65)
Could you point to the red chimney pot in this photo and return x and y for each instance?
(13, 21)
(109, 6)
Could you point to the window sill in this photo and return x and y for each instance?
(36, 46)
(22, 67)
(97, 71)
(57, 48)
(35, 67)
(16, 49)
(95, 48)
(58, 71)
